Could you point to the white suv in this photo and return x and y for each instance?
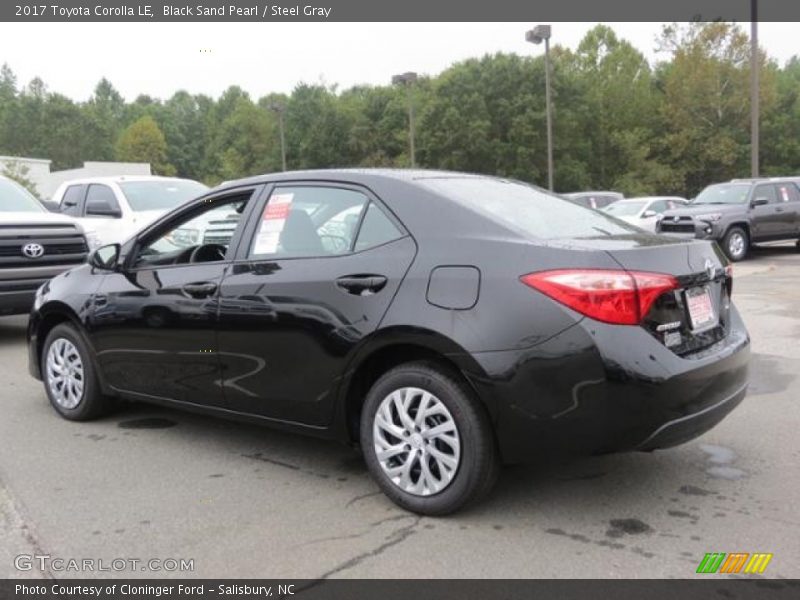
(117, 207)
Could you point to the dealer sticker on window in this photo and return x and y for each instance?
(701, 309)
(273, 221)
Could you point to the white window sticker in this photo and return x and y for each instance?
(273, 221)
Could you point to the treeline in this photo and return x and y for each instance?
(619, 122)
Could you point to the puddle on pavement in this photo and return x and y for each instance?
(721, 459)
(767, 375)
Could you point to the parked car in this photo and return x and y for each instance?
(644, 212)
(464, 321)
(594, 199)
(117, 207)
(740, 213)
(35, 245)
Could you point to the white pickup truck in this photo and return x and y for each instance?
(35, 246)
(117, 207)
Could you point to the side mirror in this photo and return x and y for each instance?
(101, 208)
(105, 258)
(760, 201)
(648, 214)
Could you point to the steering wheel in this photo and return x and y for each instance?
(208, 253)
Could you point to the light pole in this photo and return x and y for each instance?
(754, 133)
(278, 109)
(408, 80)
(536, 36)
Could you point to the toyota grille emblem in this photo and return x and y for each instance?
(33, 250)
(709, 267)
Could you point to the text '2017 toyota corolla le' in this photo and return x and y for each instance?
(445, 322)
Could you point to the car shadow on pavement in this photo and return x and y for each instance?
(12, 330)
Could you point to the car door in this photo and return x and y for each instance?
(154, 321)
(315, 273)
(789, 207)
(72, 201)
(766, 215)
(652, 213)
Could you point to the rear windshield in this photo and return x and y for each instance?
(160, 194)
(15, 198)
(528, 209)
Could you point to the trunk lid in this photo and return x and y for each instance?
(687, 319)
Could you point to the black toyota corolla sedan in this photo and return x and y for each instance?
(444, 322)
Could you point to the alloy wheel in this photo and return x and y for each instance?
(736, 244)
(416, 441)
(65, 377)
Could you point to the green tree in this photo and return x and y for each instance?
(143, 141)
(706, 106)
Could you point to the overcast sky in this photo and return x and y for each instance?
(161, 58)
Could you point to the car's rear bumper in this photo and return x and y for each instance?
(598, 388)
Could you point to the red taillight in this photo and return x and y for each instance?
(620, 297)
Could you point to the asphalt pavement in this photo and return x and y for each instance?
(234, 500)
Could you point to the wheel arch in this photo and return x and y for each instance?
(744, 225)
(395, 346)
(51, 315)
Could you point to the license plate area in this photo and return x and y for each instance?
(700, 307)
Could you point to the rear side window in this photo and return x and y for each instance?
(527, 209)
(376, 229)
(308, 221)
(788, 192)
(71, 202)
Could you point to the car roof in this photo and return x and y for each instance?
(595, 192)
(651, 198)
(793, 178)
(122, 179)
(356, 175)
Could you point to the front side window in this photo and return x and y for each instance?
(160, 194)
(101, 201)
(766, 192)
(15, 198)
(308, 221)
(202, 235)
(659, 206)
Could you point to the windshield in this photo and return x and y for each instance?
(163, 194)
(624, 209)
(528, 209)
(15, 198)
(723, 193)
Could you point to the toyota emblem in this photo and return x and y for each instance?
(33, 250)
(709, 267)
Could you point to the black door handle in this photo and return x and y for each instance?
(778, 209)
(362, 285)
(200, 290)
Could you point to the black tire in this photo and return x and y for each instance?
(478, 467)
(92, 402)
(736, 243)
